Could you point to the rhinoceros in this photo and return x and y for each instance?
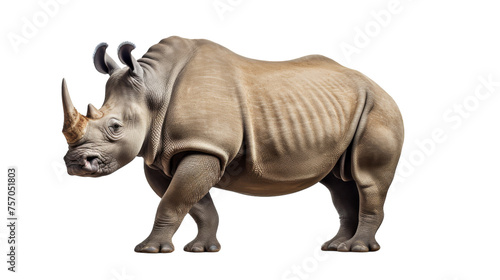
(202, 116)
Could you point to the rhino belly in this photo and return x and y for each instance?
(279, 176)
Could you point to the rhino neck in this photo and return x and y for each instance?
(162, 65)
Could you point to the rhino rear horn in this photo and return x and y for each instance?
(125, 55)
(74, 123)
(93, 113)
(102, 61)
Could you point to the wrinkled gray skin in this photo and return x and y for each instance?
(113, 140)
(202, 116)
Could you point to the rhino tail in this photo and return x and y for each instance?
(344, 167)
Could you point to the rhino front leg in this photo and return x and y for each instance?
(207, 220)
(203, 212)
(195, 175)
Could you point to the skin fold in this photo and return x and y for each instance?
(202, 116)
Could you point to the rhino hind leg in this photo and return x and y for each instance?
(375, 153)
(346, 200)
(206, 218)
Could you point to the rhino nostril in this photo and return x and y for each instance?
(90, 164)
(91, 158)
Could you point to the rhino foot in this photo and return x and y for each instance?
(333, 244)
(359, 244)
(202, 245)
(151, 246)
(346, 231)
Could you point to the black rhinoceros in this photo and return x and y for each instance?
(193, 110)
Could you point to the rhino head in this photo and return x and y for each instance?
(108, 138)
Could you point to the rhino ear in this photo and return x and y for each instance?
(125, 55)
(102, 61)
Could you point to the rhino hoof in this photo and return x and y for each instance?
(333, 244)
(154, 248)
(196, 246)
(358, 245)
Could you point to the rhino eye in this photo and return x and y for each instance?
(115, 128)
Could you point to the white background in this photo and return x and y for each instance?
(441, 214)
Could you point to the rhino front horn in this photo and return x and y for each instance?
(75, 123)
